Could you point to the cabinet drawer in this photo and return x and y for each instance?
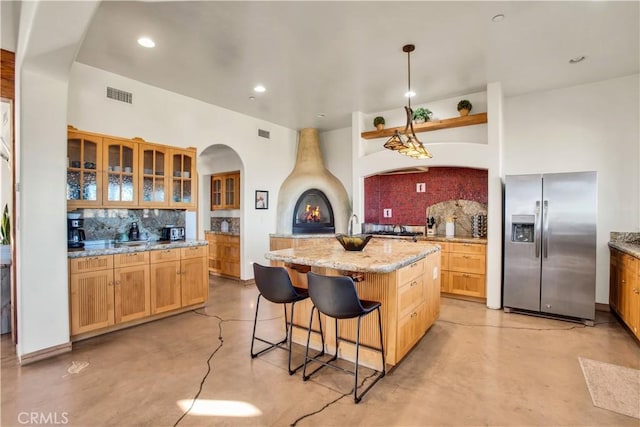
(411, 271)
(468, 248)
(467, 263)
(410, 295)
(193, 252)
(467, 284)
(165, 255)
(131, 259)
(94, 263)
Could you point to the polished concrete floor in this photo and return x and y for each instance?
(474, 367)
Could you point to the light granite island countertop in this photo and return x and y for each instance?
(404, 276)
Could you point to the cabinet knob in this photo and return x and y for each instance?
(413, 283)
(414, 314)
(465, 256)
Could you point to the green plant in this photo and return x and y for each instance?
(422, 113)
(5, 227)
(378, 121)
(464, 105)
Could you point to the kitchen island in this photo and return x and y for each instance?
(403, 275)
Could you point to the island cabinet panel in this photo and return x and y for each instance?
(91, 294)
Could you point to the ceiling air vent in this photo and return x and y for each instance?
(264, 133)
(119, 95)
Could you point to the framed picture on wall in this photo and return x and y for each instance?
(262, 199)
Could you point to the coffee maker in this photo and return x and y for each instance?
(75, 233)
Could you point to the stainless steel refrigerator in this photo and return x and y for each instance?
(550, 244)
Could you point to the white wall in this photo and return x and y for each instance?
(168, 118)
(593, 127)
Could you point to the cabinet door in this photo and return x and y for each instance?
(216, 192)
(121, 172)
(467, 263)
(183, 178)
(154, 165)
(613, 281)
(194, 281)
(84, 178)
(165, 287)
(232, 191)
(132, 293)
(92, 299)
(410, 330)
(467, 284)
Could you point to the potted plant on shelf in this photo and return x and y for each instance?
(464, 107)
(5, 237)
(421, 115)
(378, 122)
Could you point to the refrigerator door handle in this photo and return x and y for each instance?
(545, 230)
(537, 236)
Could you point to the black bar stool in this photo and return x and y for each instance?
(336, 297)
(275, 285)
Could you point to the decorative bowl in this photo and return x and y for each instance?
(357, 242)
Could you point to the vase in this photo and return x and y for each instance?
(5, 254)
(419, 121)
(463, 112)
(379, 126)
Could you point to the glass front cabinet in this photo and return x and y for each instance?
(105, 171)
(84, 169)
(183, 179)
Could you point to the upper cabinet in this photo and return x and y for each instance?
(183, 178)
(154, 164)
(84, 169)
(225, 191)
(105, 171)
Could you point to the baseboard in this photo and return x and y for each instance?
(45, 353)
(602, 307)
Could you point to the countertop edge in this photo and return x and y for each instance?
(628, 248)
(131, 249)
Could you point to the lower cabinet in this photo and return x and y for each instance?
(624, 289)
(224, 254)
(464, 268)
(111, 291)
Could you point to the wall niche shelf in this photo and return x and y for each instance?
(472, 119)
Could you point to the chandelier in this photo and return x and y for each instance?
(407, 143)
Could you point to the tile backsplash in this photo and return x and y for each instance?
(234, 224)
(108, 224)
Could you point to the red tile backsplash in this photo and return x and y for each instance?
(398, 192)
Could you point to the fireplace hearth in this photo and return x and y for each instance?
(313, 214)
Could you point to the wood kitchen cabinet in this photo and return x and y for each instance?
(225, 191)
(624, 289)
(91, 290)
(114, 172)
(224, 254)
(84, 169)
(132, 286)
(194, 277)
(183, 180)
(465, 269)
(114, 291)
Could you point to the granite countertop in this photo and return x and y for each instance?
(437, 238)
(379, 256)
(114, 249)
(632, 249)
(222, 233)
(302, 236)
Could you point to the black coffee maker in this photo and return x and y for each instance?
(75, 233)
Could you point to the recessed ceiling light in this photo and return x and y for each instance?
(410, 94)
(497, 18)
(320, 115)
(146, 42)
(252, 98)
(577, 59)
(259, 88)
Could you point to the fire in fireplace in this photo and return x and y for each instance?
(313, 214)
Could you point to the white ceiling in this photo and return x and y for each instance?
(339, 57)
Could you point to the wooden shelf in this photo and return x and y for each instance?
(455, 122)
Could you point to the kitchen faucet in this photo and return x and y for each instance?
(350, 227)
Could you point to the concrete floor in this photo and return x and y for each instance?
(474, 367)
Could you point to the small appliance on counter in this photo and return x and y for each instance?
(431, 226)
(134, 232)
(171, 233)
(75, 233)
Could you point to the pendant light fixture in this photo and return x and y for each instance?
(408, 143)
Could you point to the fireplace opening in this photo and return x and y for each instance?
(313, 214)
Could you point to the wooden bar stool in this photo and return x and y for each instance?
(336, 297)
(275, 285)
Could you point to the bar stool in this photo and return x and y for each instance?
(275, 285)
(336, 297)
